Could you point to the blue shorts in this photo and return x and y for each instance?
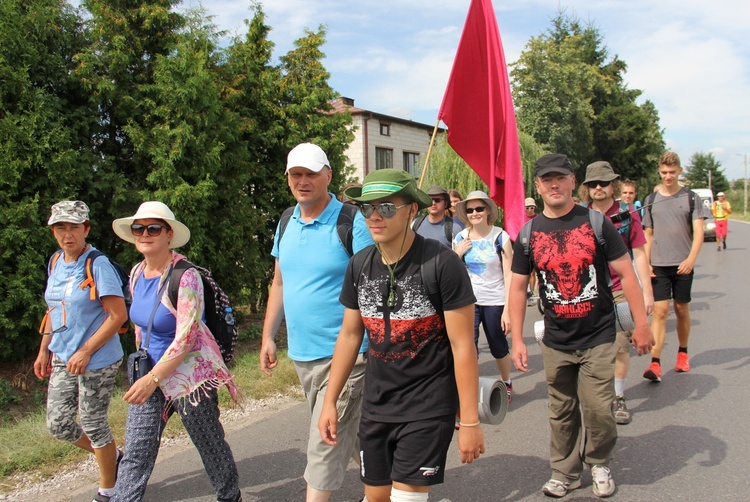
(668, 284)
(413, 453)
(489, 317)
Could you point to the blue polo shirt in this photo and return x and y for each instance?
(313, 261)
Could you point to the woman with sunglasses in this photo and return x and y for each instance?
(187, 366)
(79, 351)
(487, 253)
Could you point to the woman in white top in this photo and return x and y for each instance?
(486, 250)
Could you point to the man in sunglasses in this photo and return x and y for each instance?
(421, 363)
(578, 348)
(437, 223)
(602, 188)
(308, 274)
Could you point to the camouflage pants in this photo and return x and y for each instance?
(87, 395)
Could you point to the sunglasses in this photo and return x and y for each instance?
(386, 209)
(470, 210)
(594, 184)
(152, 230)
(437, 200)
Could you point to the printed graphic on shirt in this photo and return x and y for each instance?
(404, 330)
(565, 259)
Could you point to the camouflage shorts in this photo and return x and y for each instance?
(87, 395)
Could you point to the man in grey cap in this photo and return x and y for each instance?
(578, 347)
(601, 190)
(437, 223)
(308, 275)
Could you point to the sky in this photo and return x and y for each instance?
(691, 58)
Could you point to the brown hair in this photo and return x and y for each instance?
(669, 159)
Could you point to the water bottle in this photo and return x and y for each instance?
(229, 316)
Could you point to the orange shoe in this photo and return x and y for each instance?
(653, 372)
(683, 365)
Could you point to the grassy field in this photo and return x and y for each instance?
(27, 447)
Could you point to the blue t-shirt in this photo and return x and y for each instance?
(71, 306)
(312, 261)
(164, 325)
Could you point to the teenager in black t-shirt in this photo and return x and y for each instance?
(422, 364)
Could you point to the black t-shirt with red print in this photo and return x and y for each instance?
(409, 373)
(572, 272)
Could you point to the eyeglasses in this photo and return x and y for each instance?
(386, 209)
(152, 230)
(470, 210)
(437, 200)
(594, 184)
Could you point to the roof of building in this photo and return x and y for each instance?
(343, 104)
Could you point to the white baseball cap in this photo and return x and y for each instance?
(307, 155)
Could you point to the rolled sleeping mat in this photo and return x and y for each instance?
(493, 401)
(539, 330)
(623, 321)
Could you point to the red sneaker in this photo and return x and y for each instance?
(653, 372)
(683, 365)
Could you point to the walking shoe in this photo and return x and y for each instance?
(653, 372)
(100, 498)
(509, 386)
(557, 489)
(120, 454)
(683, 364)
(718, 248)
(604, 485)
(724, 243)
(620, 411)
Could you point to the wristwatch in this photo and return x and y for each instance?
(154, 377)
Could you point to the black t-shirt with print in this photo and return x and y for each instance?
(409, 374)
(572, 273)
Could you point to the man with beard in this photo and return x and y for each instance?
(578, 347)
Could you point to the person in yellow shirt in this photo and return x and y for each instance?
(721, 209)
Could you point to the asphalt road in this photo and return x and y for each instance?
(689, 437)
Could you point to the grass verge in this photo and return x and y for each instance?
(27, 447)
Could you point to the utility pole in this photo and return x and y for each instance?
(745, 208)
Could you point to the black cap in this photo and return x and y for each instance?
(552, 163)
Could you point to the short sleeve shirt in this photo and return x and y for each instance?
(485, 267)
(71, 306)
(436, 231)
(409, 373)
(571, 268)
(673, 235)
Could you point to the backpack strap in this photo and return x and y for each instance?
(88, 282)
(174, 279)
(418, 221)
(344, 225)
(525, 237)
(596, 219)
(431, 251)
(448, 227)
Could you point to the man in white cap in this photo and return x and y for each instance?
(721, 209)
(308, 275)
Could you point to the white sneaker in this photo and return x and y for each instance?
(556, 488)
(604, 485)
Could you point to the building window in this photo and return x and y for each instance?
(385, 129)
(383, 158)
(411, 163)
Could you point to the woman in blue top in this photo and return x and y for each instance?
(79, 351)
(487, 253)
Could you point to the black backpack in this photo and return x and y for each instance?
(650, 200)
(88, 282)
(218, 307)
(344, 225)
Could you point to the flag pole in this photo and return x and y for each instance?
(429, 151)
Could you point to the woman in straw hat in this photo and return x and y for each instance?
(487, 253)
(79, 334)
(187, 367)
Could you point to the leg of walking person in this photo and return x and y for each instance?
(203, 425)
(143, 429)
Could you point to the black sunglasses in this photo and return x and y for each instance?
(151, 230)
(470, 210)
(437, 200)
(594, 184)
(385, 209)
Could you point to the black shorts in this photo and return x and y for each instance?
(668, 284)
(413, 453)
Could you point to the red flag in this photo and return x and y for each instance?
(478, 110)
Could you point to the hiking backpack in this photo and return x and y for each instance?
(651, 199)
(344, 224)
(447, 226)
(89, 282)
(218, 307)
